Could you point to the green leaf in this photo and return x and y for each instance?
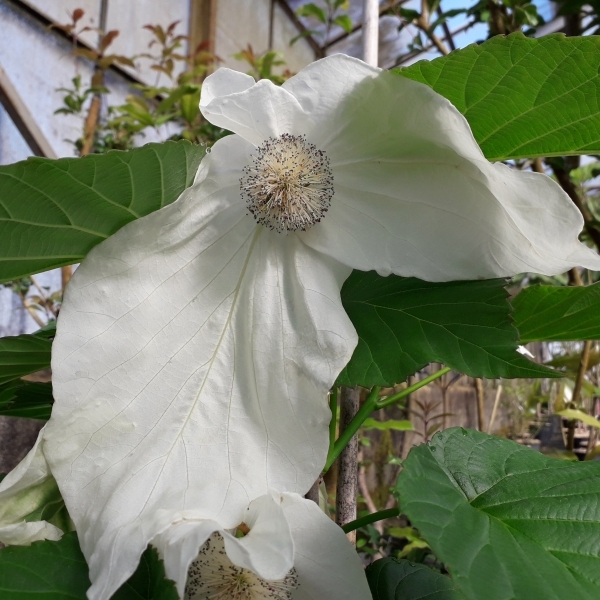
(392, 424)
(345, 22)
(24, 354)
(50, 570)
(404, 324)
(26, 399)
(507, 521)
(312, 10)
(190, 106)
(58, 571)
(393, 579)
(560, 314)
(572, 413)
(53, 212)
(149, 581)
(523, 97)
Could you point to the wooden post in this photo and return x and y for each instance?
(203, 24)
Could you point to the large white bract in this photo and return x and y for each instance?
(196, 346)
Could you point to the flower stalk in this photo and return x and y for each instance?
(381, 515)
(372, 403)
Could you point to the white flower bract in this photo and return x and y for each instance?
(23, 493)
(195, 347)
(292, 551)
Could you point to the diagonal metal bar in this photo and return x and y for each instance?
(23, 119)
(27, 9)
(293, 17)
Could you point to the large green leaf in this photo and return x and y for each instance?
(24, 354)
(547, 313)
(49, 570)
(26, 399)
(523, 97)
(53, 212)
(58, 571)
(507, 521)
(393, 579)
(404, 324)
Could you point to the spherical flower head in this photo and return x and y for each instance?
(212, 576)
(288, 185)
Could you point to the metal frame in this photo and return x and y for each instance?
(293, 17)
(23, 119)
(45, 22)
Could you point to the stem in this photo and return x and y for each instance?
(373, 403)
(413, 388)
(91, 122)
(495, 409)
(333, 405)
(583, 367)
(348, 433)
(480, 404)
(313, 493)
(372, 518)
(65, 275)
(447, 32)
(32, 312)
(347, 479)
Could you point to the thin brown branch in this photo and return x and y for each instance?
(347, 479)
(89, 128)
(480, 404)
(447, 33)
(582, 370)
(313, 493)
(65, 274)
(31, 310)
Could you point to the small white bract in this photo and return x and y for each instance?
(212, 576)
(289, 184)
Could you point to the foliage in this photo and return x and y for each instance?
(262, 65)
(61, 572)
(404, 324)
(393, 579)
(498, 505)
(55, 212)
(24, 354)
(558, 313)
(332, 15)
(170, 107)
(553, 84)
(26, 399)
